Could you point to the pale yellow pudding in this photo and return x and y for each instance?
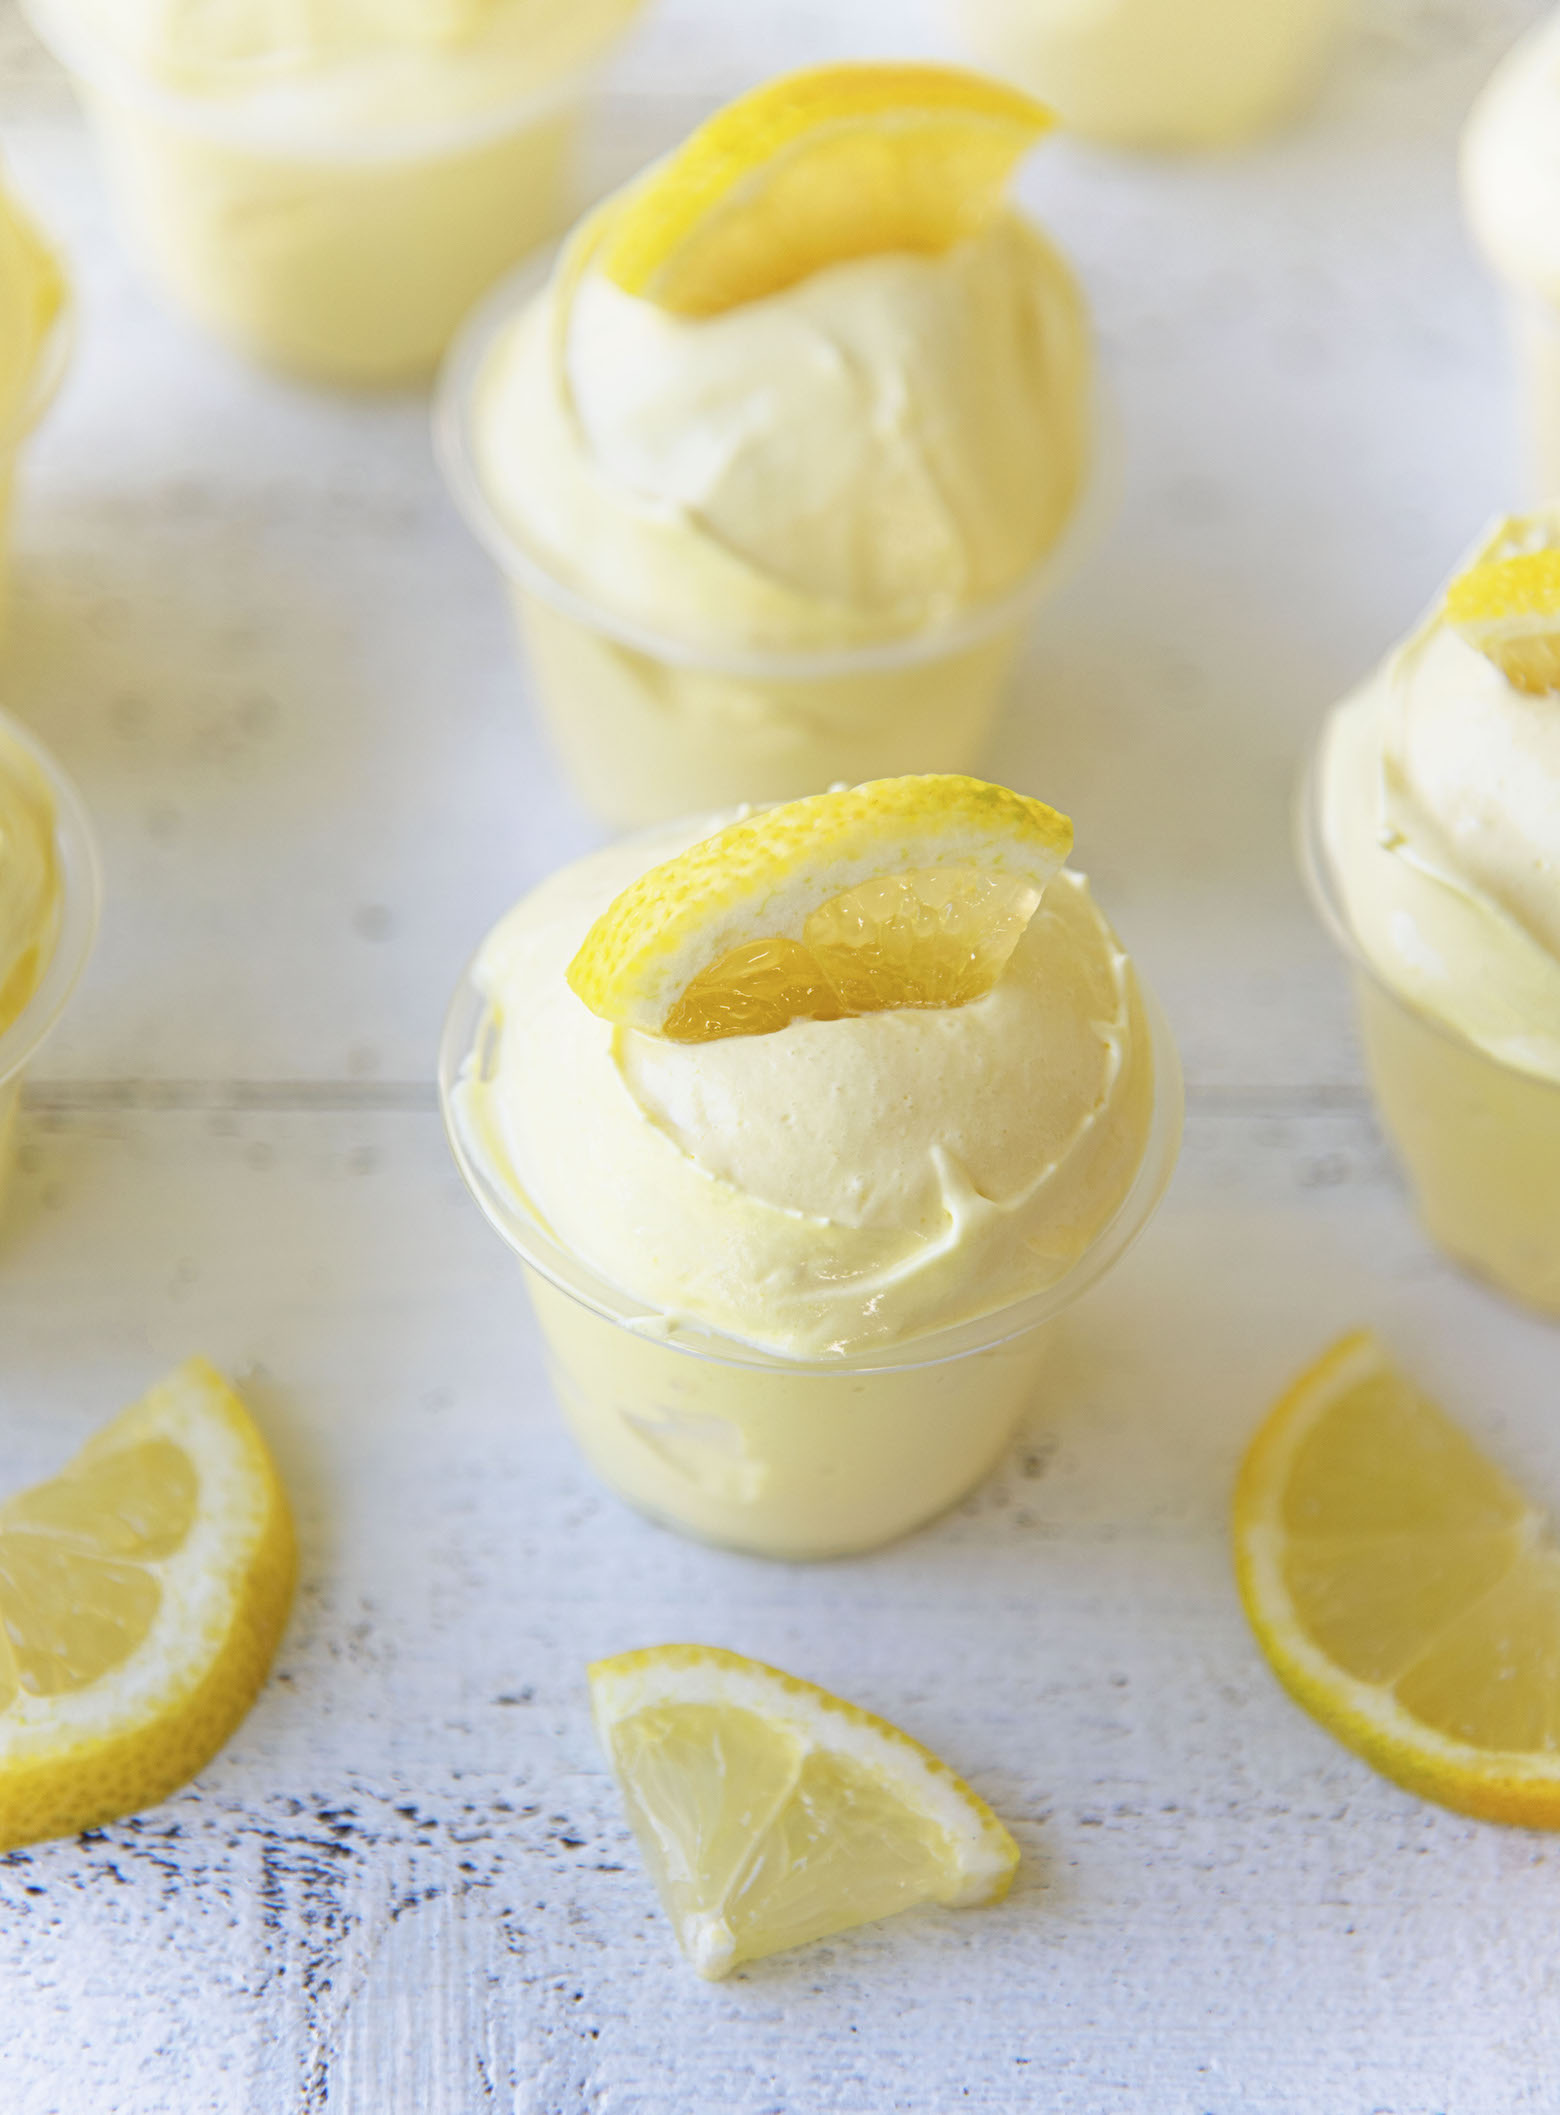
(1437, 849)
(30, 900)
(1159, 73)
(332, 187)
(820, 1251)
(32, 304)
(789, 538)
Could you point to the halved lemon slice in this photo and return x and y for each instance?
(815, 169)
(771, 1813)
(1404, 1589)
(904, 892)
(1509, 609)
(142, 1595)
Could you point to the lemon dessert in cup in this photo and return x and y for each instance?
(805, 1127)
(331, 187)
(33, 331)
(1511, 190)
(48, 911)
(1159, 73)
(779, 456)
(1432, 841)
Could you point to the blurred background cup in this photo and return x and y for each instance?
(1479, 1138)
(346, 258)
(650, 727)
(65, 946)
(43, 317)
(1159, 74)
(781, 1457)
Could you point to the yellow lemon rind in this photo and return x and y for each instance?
(92, 1774)
(1521, 1789)
(763, 877)
(1508, 609)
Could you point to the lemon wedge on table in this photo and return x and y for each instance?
(1404, 1589)
(771, 1813)
(815, 169)
(1509, 610)
(142, 1595)
(903, 892)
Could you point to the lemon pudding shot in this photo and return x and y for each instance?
(805, 1125)
(1432, 838)
(330, 187)
(778, 457)
(1511, 190)
(33, 306)
(1159, 73)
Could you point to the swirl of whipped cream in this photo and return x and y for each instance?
(1441, 817)
(877, 449)
(838, 1185)
(1511, 164)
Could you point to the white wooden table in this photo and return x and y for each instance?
(252, 626)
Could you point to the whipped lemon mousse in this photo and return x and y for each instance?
(331, 186)
(1511, 191)
(1434, 845)
(805, 1125)
(33, 301)
(779, 455)
(1159, 73)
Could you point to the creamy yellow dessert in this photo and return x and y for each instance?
(1511, 190)
(32, 301)
(1159, 73)
(331, 187)
(847, 1189)
(1439, 818)
(30, 902)
(756, 499)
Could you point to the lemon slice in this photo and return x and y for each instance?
(1404, 1589)
(142, 1594)
(904, 892)
(1509, 609)
(771, 1813)
(815, 169)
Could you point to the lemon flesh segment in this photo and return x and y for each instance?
(1404, 1589)
(903, 892)
(142, 1595)
(771, 1813)
(1509, 610)
(815, 169)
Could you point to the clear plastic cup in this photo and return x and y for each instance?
(70, 944)
(1159, 74)
(346, 260)
(780, 1457)
(48, 373)
(1479, 1138)
(650, 727)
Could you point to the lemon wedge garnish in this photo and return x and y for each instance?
(142, 1595)
(1509, 610)
(815, 169)
(903, 892)
(771, 1813)
(1404, 1589)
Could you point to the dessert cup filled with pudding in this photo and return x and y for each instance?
(49, 893)
(797, 1284)
(1511, 193)
(331, 191)
(778, 518)
(1430, 839)
(1159, 74)
(34, 345)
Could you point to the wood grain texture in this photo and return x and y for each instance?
(251, 624)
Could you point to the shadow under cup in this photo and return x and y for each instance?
(1478, 1138)
(780, 1457)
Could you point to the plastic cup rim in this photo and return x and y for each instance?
(81, 895)
(454, 402)
(466, 1022)
(225, 124)
(1321, 885)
